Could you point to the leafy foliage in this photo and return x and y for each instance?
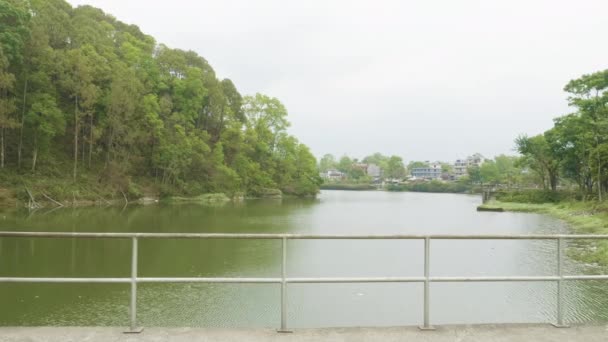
(82, 90)
(576, 148)
(433, 186)
(535, 196)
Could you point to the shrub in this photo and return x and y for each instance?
(432, 186)
(535, 196)
(354, 187)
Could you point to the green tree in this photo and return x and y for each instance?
(41, 62)
(446, 168)
(395, 168)
(327, 163)
(7, 104)
(489, 173)
(508, 172)
(589, 95)
(540, 157)
(78, 82)
(416, 164)
(46, 121)
(14, 18)
(474, 175)
(378, 159)
(14, 29)
(575, 138)
(123, 108)
(267, 115)
(345, 164)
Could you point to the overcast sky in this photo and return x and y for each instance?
(426, 79)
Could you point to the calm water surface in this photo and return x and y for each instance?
(309, 305)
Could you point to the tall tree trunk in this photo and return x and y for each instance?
(84, 141)
(205, 120)
(2, 147)
(151, 165)
(75, 137)
(543, 178)
(221, 125)
(110, 139)
(553, 180)
(35, 155)
(20, 147)
(599, 177)
(90, 140)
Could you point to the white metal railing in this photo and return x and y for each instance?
(426, 279)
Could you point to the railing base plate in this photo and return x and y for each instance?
(430, 327)
(560, 325)
(284, 331)
(133, 331)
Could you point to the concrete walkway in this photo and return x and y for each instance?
(454, 333)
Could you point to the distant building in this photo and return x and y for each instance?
(462, 165)
(374, 171)
(371, 170)
(332, 175)
(433, 171)
(360, 166)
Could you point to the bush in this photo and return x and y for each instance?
(168, 190)
(266, 193)
(535, 196)
(432, 186)
(353, 187)
(227, 180)
(134, 191)
(218, 198)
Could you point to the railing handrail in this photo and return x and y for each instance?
(284, 279)
(263, 236)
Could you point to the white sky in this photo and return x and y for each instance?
(425, 79)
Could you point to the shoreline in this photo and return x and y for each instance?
(589, 217)
(371, 187)
(584, 217)
(208, 199)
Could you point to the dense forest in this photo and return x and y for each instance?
(574, 152)
(92, 101)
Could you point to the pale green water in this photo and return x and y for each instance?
(309, 305)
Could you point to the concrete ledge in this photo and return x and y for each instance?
(452, 333)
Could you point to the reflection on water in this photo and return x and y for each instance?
(309, 305)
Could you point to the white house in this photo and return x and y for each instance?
(433, 171)
(332, 175)
(462, 165)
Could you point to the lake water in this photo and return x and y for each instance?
(309, 305)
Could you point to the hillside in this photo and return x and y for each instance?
(92, 107)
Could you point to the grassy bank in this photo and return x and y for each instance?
(590, 217)
(583, 217)
(54, 187)
(18, 190)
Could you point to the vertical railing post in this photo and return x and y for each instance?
(560, 284)
(283, 328)
(427, 267)
(133, 329)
